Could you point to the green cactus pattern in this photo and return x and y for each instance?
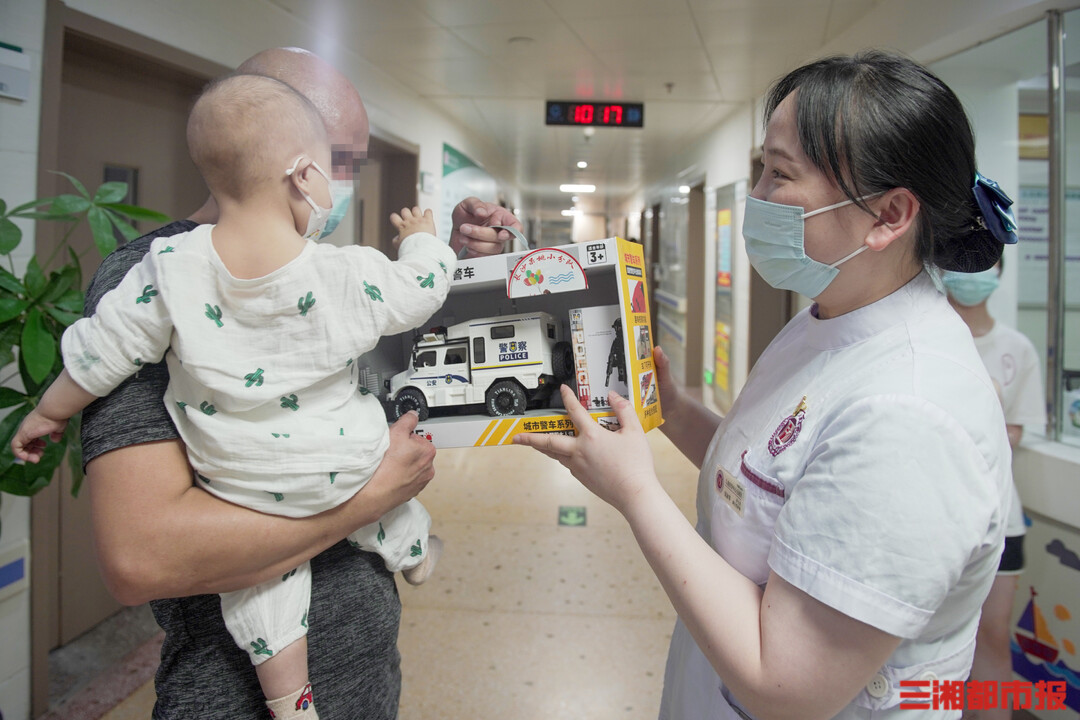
(363, 390)
(280, 435)
(373, 292)
(303, 621)
(382, 534)
(305, 304)
(416, 550)
(259, 648)
(214, 313)
(443, 266)
(138, 362)
(290, 403)
(203, 478)
(254, 378)
(147, 293)
(427, 282)
(207, 408)
(181, 404)
(278, 497)
(288, 575)
(168, 249)
(355, 545)
(333, 477)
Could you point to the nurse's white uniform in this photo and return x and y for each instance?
(866, 462)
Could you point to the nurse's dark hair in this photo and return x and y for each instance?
(877, 121)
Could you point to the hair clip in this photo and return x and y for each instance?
(994, 205)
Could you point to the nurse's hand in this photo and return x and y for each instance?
(671, 395)
(472, 221)
(616, 466)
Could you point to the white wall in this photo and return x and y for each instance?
(21, 24)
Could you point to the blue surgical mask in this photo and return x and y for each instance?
(319, 215)
(774, 242)
(970, 289)
(341, 193)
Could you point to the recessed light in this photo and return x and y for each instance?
(571, 212)
(571, 188)
(684, 189)
(582, 164)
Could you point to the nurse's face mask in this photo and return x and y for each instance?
(774, 242)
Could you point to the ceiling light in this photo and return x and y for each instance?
(590, 131)
(571, 212)
(582, 164)
(574, 198)
(684, 189)
(571, 188)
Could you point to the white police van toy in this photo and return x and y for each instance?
(506, 363)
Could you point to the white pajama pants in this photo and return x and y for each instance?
(272, 615)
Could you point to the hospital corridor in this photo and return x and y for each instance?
(739, 340)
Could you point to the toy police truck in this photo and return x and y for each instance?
(507, 363)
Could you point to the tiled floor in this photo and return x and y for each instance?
(525, 618)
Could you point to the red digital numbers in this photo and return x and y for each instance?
(568, 112)
(583, 114)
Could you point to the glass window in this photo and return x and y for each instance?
(425, 359)
(501, 332)
(478, 350)
(455, 356)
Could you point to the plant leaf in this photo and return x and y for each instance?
(10, 397)
(10, 236)
(38, 346)
(110, 192)
(71, 301)
(136, 212)
(123, 226)
(32, 204)
(34, 278)
(68, 205)
(11, 283)
(24, 480)
(59, 283)
(101, 228)
(11, 308)
(36, 215)
(63, 317)
(78, 185)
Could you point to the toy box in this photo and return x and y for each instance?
(513, 329)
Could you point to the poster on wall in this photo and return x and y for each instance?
(723, 248)
(462, 178)
(1033, 218)
(723, 309)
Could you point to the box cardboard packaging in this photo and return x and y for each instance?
(514, 327)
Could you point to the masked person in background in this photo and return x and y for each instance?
(1013, 364)
(852, 504)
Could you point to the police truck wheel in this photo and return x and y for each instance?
(410, 399)
(505, 397)
(562, 361)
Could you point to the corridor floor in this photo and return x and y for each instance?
(525, 618)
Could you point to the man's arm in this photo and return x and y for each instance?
(158, 535)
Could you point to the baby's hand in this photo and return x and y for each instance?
(29, 441)
(412, 221)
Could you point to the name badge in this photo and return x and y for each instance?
(731, 490)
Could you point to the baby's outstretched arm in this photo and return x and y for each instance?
(63, 399)
(412, 221)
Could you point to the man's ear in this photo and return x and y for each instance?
(897, 211)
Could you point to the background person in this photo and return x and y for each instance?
(160, 538)
(852, 505)
(1013, 364)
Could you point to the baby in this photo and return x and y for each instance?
(260, 327)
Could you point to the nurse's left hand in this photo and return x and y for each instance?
(616, 466)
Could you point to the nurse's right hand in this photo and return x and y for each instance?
(671, 395)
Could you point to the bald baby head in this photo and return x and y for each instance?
(329, 91)
(246, 130)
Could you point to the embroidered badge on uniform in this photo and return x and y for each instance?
(789, 429)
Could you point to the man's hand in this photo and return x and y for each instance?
(472, 227)
(405, 470)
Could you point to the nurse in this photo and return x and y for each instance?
(852, 505)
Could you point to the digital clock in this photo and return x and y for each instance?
(597, 114)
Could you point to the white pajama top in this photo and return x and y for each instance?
(866, 463)
(262, 371)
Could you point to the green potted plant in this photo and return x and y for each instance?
(36, 308)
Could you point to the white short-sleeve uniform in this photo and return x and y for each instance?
(866, 463)
(262, 386)
(1013, 364)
